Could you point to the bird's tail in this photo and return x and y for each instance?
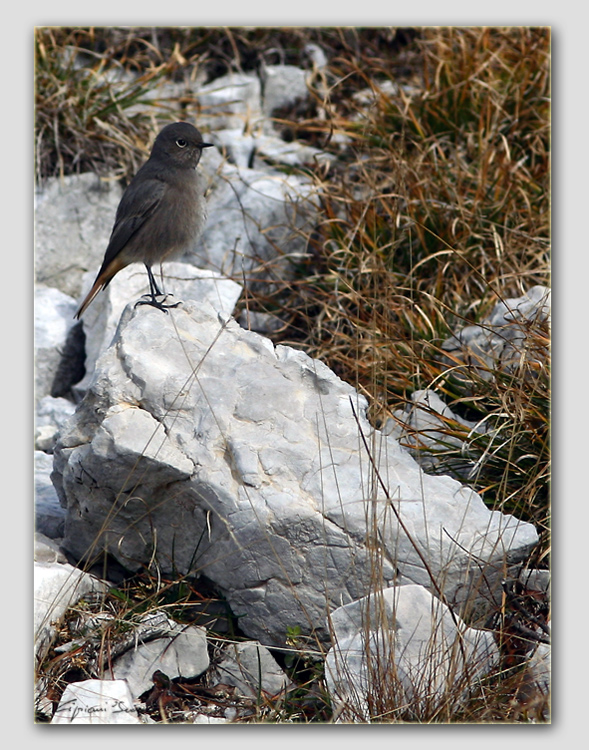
(102, 281)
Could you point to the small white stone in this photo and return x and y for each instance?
(96, 702)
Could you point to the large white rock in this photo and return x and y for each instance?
(182, 280)
(201, 446)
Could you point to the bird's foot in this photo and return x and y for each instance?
(153, 302)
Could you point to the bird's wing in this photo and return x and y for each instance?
(138, 203)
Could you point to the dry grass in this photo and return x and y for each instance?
(91, 91)
(437, 207)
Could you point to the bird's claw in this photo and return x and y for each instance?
(153, 302)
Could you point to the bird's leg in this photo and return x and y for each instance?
(153, 293)
(153, 287)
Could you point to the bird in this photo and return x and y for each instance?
(161, 213)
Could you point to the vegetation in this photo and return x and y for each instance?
(436, 208)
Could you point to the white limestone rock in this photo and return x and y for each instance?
(237, 145)
(257, 224)
(284, 85)
(424, 428)
(96, 702)
(231, 101)
(54, 318)
(252, 669)
(57, 586)
(400, 652)
(274, 150)
(50, 416)
(500, 341)
(47, 550)
(183, 280)
(74, 217)
(203, 447)
(181, 653)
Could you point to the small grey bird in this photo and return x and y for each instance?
(161, 213)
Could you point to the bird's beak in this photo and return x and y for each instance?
(206, 145)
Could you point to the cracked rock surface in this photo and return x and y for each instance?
(204, 449)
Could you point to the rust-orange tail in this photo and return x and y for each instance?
(102, 280)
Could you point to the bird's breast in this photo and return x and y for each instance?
(178, 220)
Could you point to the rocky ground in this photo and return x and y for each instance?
(190, 446)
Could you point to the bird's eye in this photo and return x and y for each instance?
(181, 143)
